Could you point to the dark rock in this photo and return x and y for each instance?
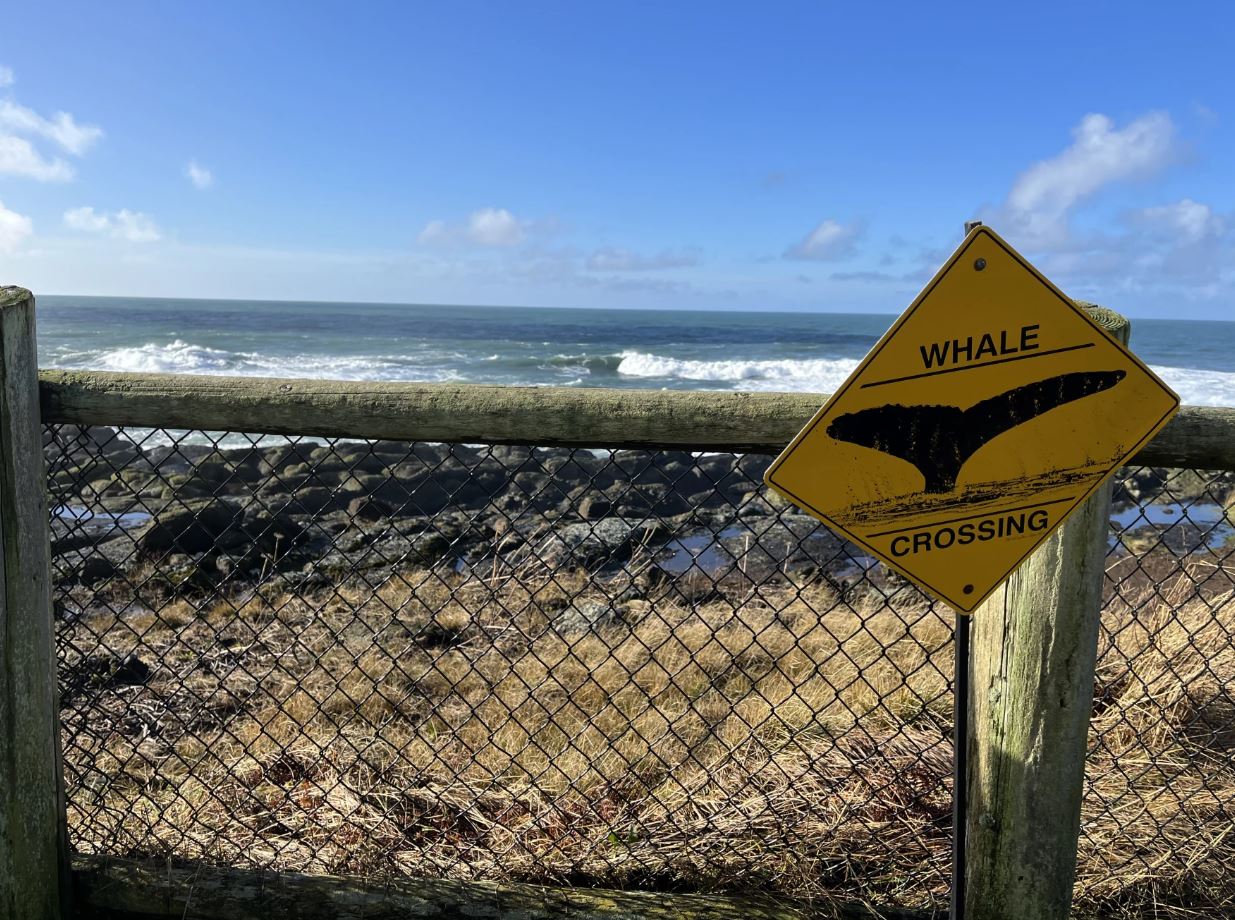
(510, 456)
(192, 527)
(212, 472)
(94, 568)
(789, 542)
(185, 486)
(245, 462)
(609, 541)
(1133, 486)
(207, 527)
(408, 473)
(280, 456)
(443, 491)
(367, 508)
(359, 458)
(130, 671)
(437, 636)
(295, 472)
(651, 501)
(583, 617)
(593, 508)
(311, 500)
(430, 548)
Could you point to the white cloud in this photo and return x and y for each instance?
(86, 220)
(829, 241)
(19, 158)
(435, 231)
(616, 259)
(199, 175)
(1044, 195)
(14, 227)
(495, 227)
(136, 227)
(131, 226)
(61, 128)
(1186, 221)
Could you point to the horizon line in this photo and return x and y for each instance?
(521, 306)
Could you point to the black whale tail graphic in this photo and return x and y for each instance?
(938, 440)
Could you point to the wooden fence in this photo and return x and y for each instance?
(1028, 744)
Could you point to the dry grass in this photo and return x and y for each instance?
(780, 740)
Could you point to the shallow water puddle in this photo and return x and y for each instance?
(1199, 525)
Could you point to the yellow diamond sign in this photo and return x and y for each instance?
(988, 412)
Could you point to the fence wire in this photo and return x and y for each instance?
(625, 669)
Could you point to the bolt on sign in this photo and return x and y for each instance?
(984, 417)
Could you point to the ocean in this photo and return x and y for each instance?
(680, 349)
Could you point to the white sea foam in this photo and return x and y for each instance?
(1200, 388)
(179, 357)
(824, 375)
(819, 375)
(812, 375)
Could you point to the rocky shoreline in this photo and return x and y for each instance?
(297, 516)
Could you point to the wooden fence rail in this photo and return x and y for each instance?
(1199, 437)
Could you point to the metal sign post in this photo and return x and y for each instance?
(960, 781)
(960, 741)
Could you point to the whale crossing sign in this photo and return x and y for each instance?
(988, 412)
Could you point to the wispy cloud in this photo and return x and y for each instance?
(1184, 222)
(495, 227)
(1044, 196)
(131, 226)
(200, 176)
(828, 242)
(61, 128)
(1181, 250)
(616, 259)
(14, 227)
(20, 125)
(19, 158)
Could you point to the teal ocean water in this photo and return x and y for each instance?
(693, 349)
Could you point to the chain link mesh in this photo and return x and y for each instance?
(627, 668)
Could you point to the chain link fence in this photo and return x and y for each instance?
(624, 669)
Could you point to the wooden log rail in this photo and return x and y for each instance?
(1199, 437)
(126, 889)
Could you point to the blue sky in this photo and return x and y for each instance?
(758, 156)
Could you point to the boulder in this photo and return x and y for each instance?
(95, 568)
(585, 616)
(214, 525)
(367, 508)
(607, 542)
(593, 508)
(189, 527)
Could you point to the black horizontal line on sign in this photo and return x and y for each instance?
(991, 513)
(971, 367)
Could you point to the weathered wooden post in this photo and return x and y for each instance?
(1034, 644)
(32, 850)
